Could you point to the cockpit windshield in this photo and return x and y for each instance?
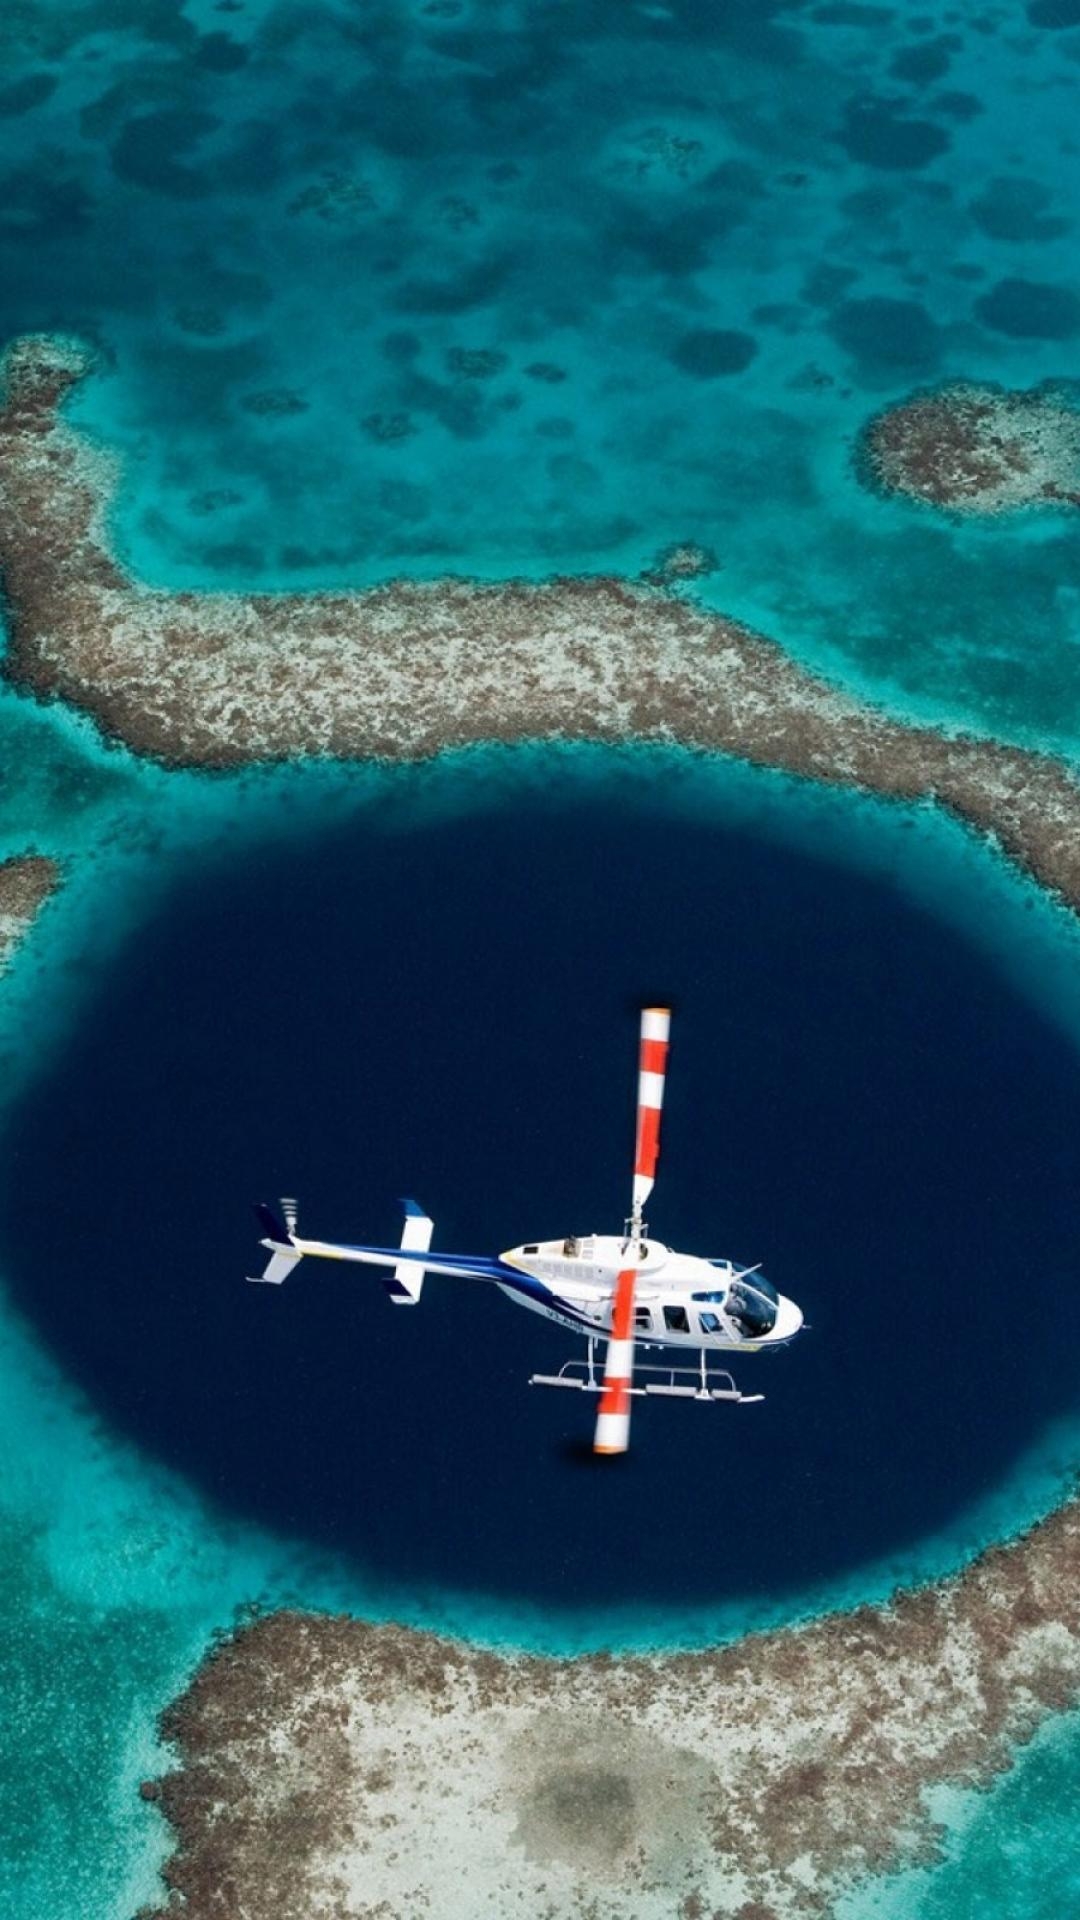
(752, 1304)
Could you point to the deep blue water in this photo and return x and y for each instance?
(855, 1099)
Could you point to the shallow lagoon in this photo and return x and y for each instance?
(494, 290)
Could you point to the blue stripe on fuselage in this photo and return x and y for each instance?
(516, 1282)
(483, 1266)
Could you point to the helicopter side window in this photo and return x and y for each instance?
(643, 1319)
(676, 1320)
(709, 1322)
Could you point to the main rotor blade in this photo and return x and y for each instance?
(613, 1416)
(652, 1066)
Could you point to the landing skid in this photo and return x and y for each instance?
(674, 1383)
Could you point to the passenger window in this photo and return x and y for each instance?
(643, 1319)
(675, 1320)
(709, 1322)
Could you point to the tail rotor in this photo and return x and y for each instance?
(278, 1233)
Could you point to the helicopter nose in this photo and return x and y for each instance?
(789, 1319)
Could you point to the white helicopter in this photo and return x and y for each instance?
(619, 1289)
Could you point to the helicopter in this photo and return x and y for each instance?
(621, 1290)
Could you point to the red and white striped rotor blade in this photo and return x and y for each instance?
(613, 1415)
(652, 1067)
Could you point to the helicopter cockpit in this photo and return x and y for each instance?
(752, 1304)
(750, 1301)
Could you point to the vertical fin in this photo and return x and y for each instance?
(404, 1288)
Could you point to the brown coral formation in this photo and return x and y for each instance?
(685, 560)
(26, 881)
(406, 669)
(978, 450)
(332, 1767)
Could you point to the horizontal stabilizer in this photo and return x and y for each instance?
(279, 1269)
(404, 1288)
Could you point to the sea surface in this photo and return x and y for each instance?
(857, 1099)
(481, 286)
(493, 290)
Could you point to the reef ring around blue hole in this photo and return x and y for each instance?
(856, 1099)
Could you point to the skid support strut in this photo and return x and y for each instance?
(671, 1383)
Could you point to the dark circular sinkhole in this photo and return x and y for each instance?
(855, 1099)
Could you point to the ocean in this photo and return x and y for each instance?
(469, 286)
(487, 290)
(856, 1100)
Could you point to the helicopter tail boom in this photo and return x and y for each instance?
(287, 1249)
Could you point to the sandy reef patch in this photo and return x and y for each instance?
(978, 449)
(26, 882)
(331, 1767)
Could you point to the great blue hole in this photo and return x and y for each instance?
(856, 1099)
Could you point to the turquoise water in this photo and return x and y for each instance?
(466, 287)
(1011, 1852)
(500, 289)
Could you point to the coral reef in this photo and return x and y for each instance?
(978, 449)
(26, 881)
(331, 1767)
(405, 669)
(684, 560)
